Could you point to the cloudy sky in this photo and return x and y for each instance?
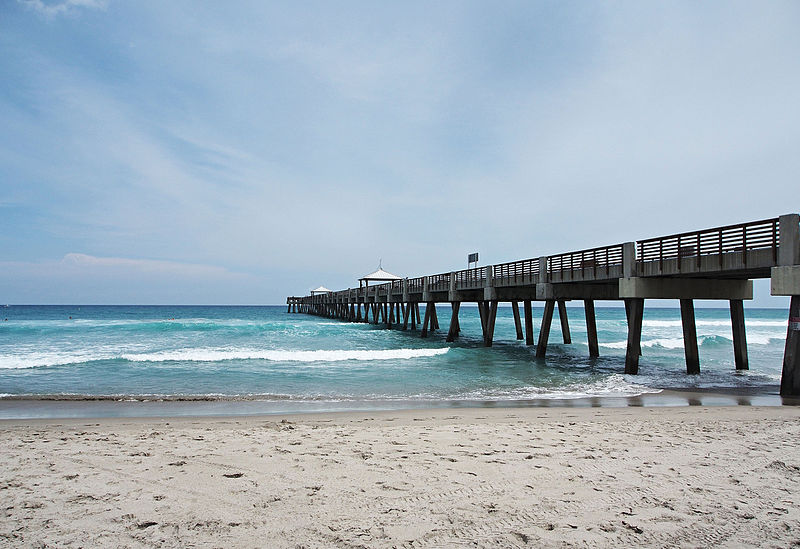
(238, 152)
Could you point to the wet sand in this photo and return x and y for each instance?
(94, 406)
(692, 476)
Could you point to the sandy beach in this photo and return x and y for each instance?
(535, 477)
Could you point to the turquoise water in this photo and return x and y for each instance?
(265, 353)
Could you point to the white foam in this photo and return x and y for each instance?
(727, 323)
(666, 343)
(677, 342)
(42, 359)
(762, 339)
(615, 385)
(215, 355)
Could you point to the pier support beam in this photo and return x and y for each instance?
(591, 327)
(562, 315)
(482, 313)
(427, 320)
(739, 335)
(544, 330)
(517, 321)
(434, 317)
(491, 315)
(690, 337)
(786, 281)
(405, 309)
(790, 379)
(635, 306)
(416, 308)
(628, 320)
(452, 334)
(528, 322)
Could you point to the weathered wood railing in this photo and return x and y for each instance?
(516, 272)
(598, 261)
(471, 278)
(741, 238)
(439, 282)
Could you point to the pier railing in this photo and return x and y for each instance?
(743, 239)
(439, 282)
(595, 263)
(468, 279)
(416, 285)
(516, 272)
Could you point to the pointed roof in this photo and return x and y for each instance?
(380, 274)
(320, 290)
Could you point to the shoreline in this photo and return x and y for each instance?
(58, 407)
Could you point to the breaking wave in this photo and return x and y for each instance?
(708, 340)
(217, 355)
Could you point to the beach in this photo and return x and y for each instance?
(689, 476)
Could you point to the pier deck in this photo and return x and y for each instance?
(718, 263)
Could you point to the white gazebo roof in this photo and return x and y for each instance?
(380, 274)
(321, 290)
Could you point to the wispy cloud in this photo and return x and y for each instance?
(90, 263)
(60, 7)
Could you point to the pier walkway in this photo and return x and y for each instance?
(717, 264)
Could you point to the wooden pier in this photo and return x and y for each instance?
(717, 264)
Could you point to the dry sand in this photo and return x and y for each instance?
(602, 477)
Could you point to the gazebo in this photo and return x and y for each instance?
(378, 276)
(320, 290)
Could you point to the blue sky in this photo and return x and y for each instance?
(238, 152)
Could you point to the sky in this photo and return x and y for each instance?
(239, 152)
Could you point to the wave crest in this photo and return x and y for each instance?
(218, 355)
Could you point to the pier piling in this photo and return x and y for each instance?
(562, 315)
(544, 329)
(790, 379)
(690, 337)
(452, 333)
(517, 321)
(528, 322)
(635, 307)
(482, 313)
(427, 320)
(591, 327)
(491, 316)
(739, 334)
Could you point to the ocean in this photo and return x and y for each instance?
(281, 362)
